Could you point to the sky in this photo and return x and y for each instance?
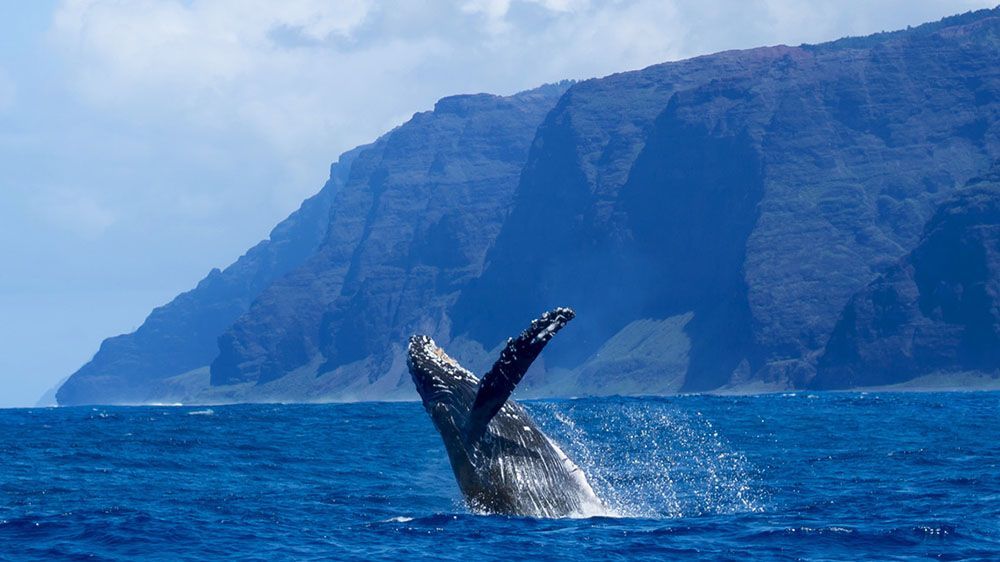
(144, 142)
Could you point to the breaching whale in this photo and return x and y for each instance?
(503, 462)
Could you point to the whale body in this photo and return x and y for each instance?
(503, 462)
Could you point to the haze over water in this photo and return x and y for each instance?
(817, 476)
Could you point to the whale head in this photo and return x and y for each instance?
(448, 392)
(439, 379)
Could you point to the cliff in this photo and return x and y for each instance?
(936, 310)
(755, 191)
(407, 233)
(181, 335)
(729, 221)
(383, 249)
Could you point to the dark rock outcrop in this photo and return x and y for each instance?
(938, 309)
(408, 231)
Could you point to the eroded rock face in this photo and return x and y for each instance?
(181, 335)
(758, 190)
(407, 233)
(937, 309)
(727, 209)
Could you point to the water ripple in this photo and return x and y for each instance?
(805, 475)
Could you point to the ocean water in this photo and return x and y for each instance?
(795, 476)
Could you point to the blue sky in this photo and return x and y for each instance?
(144, 142)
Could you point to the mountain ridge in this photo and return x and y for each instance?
(723, 210)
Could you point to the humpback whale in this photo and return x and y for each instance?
(503, 462)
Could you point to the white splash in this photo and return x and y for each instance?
(653, 461)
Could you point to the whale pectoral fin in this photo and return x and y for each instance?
(498, 384)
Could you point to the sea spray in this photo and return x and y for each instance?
(651, 460)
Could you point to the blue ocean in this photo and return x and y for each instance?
(835, 476)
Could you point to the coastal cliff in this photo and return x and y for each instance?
(936, 310)
(784, 217)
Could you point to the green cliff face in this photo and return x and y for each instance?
(936, 310)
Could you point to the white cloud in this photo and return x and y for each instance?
(311, 76)
(197, 44)
(289, 73)
(315, 77)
